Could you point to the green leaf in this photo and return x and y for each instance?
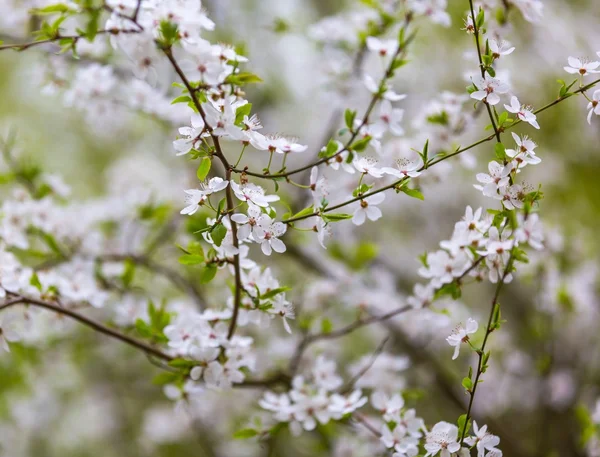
(182, 363)
(480, 18)
(239, 79)
(143, 328)
(167, 377)
(349, 117)
(35, 281)
(360, 145)
(191, 259)
(218, 233)
(271, 293)
(181, 99)
(365, 252)
(305, 212)
(335, 217)
(439, 118)
(168, 33)
(245, 433)
(203, 168)
(52, 9)
(326, 325)
(463, 425)
(128, 272)
(415, 193)
(242, 111)
(467, 384)
(362, 189)
(208, 273)
(500, 151)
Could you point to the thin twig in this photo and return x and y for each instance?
(350, 385)
(97, 326)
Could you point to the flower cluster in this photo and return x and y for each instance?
(313, 400)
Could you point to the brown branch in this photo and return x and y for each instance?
(228, 191)
(481, 352)
(97, 326)
(350, 385)
(75, 38)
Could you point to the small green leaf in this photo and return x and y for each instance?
(128, 273)
(166, 378)
(463, 425)
(326, 325)
(35, 281)
(203, 168)
(52, 9)
(500, 151)
(334, 217)
(467, 384)
(360, 145)
(191, 259)
(218, 233)
(242, 111)
(208, 273)
(415, 193)
(273, 292)
(182, 363)
(245, 433)
(349, 117)
(305, 212)
(181, 99)
(239, 79)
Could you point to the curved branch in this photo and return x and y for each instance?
(97, 326)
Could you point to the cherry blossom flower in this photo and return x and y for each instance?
(283, 308)
(512, 196)
(461, 335)
(390, 407)
(247, 224)
(340, 159)
(483, 440)
(443, 439)
(341, 405)
(582, 67)
(594, 106)
(367, 209)
(368, 166)
(405, 168)
(498, 177)
(191, 137)
(196, 198)
(488, 89)
(524, 154)
(388, 94)
(318, 187)
(382, 47)
(400, 441)
(500, 48)
(442, 267)
(523, 112)
(274, 143)
(530, 231)
(253, 194)
(422, 296)
(532, 10)
(268, 233)
(434, 9)
(323, 231)
(389, 119)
